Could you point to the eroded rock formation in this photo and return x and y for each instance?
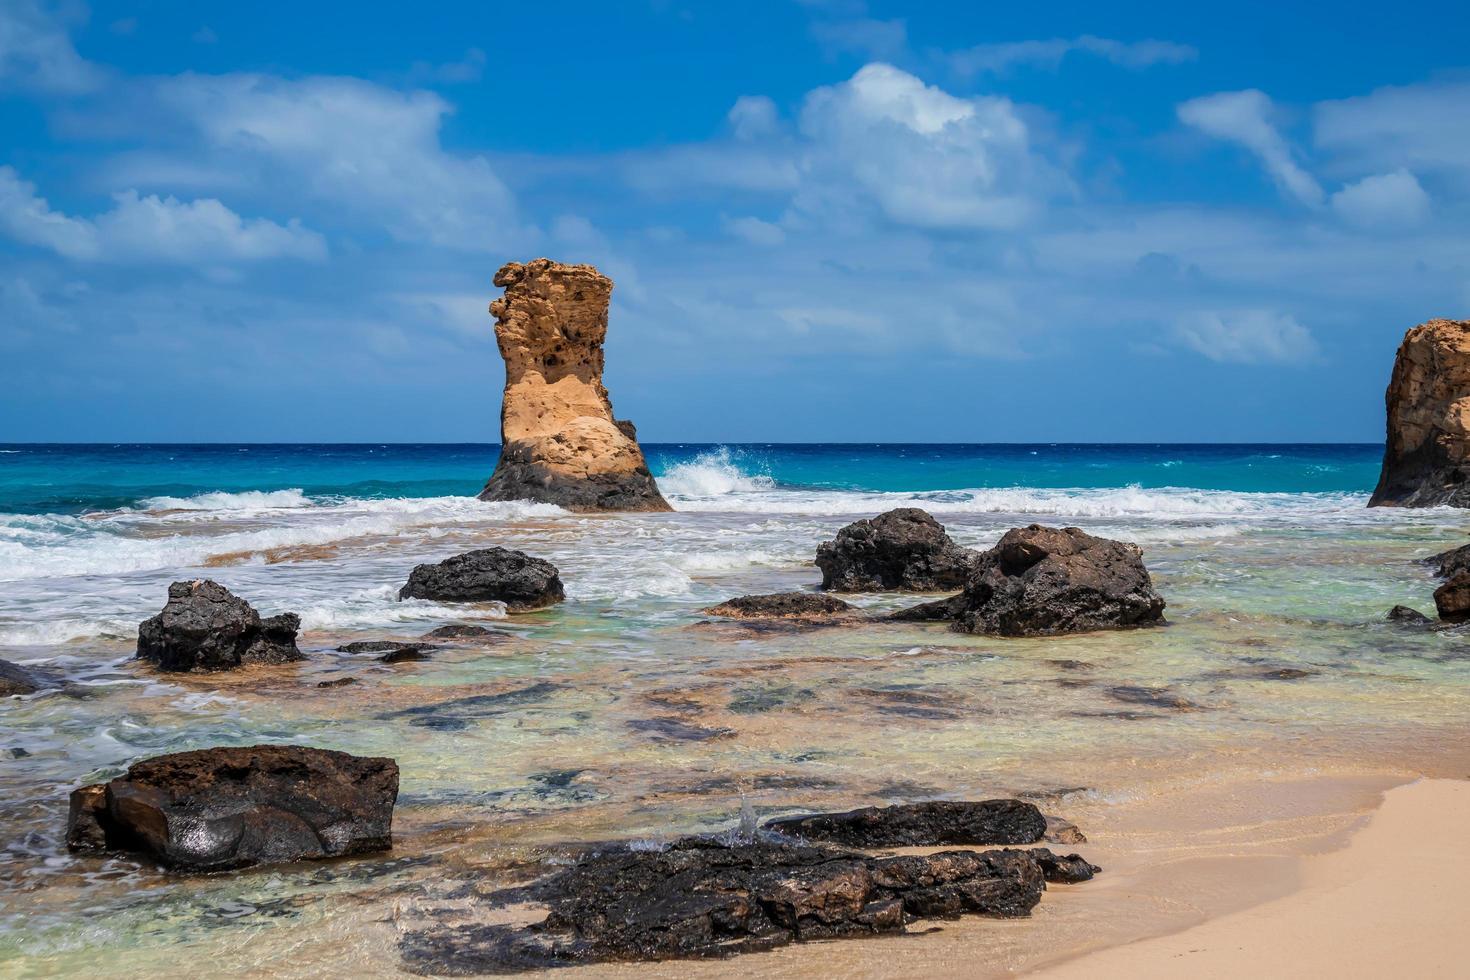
(1040, 581)
(515, 578)
(559, 441)
(1426, 462)
(205, 627)
(782, 605)
(214, 809)
(903, 549)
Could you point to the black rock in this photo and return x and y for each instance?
(1406, 616)
(215, 809)
(407, 653)
(521, 582)
(781, 605)
(903, 550)
(1452, 599)
(15, 679)
(458, 631)
(1041, 581)
(1061, 869)
(701, 898)
(205, 627)
(391, 651)
(1448, 563)
(337, 682)
(931, 824)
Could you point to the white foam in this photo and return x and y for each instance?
(711, 474)
(248, 500)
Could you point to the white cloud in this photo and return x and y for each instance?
(369, 150)
(150, 229)
(1245, 118)
(36, 52)
(1423, 127)
(1383, 200)
(1247, 337)
(924, 157)
(753, 117)
(1003, 57)
(755, 231)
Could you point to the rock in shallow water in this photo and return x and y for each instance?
(461, 631)
(781, 605)
(904, 549)
(15, 679)
(930, 824)
(521, 582)
(205, 627)
(1405, 616)
(215, 809)
(701, 898)
(1453, 599)
(1042, 581)
(1447, 563)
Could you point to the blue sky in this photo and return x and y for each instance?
(826, 220)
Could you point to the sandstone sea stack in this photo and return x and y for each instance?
(1427, 460)
(559, 441)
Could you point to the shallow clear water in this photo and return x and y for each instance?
(624, 713)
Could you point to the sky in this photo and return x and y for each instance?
(826, 221)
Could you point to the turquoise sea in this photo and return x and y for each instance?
(625, 711)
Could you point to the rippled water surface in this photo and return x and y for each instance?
(624, 712)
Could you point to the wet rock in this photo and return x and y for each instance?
(782, 605)
(204, 627)
(910, 703)
(461, 631)
(1285, 673)
(1068, 869)
(458, 714)
(15, 679)
(1426, 459)
(770, 697)
(1152, 697)
(337, 682)
(1042, 581)
(521, 582)
(18, 753)
(702, 898)
(409, 653)
(937, 611)
(677, 730)
(1453, 599)
(1059, 831)
(560, 442)
(904, 549)
(1447, 563)
(1405, 616)
(216, 809)
(390, 651)
(931, 824)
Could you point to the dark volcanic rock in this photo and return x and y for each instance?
(903, 549)
(337, 682)
(215, 809)
(15, 679)
(1453, 599)
(1426, 458)
(701, 898)
(1040, 581)
(521, 582)
(460, 631)
(1448, 563)
(1405, 616)
(781, 605)
(677, 730)
(390, 651)
(205, 627)
(931, 824)
(1063, 869)
(1152, 697)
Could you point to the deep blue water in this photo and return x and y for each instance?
(72, 479)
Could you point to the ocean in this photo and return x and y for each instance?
(624, 711)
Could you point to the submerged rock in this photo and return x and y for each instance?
(1453, 599)
(390, 651)
(216, 809)
(15, 679)
(205, 627)
(1426, 460)
(460, 631)
(931, 824)
(559, 441)
(701, 898)
(1040, 581)
(904, 549)
(1405, 616)
(782, 605)
(521, 582)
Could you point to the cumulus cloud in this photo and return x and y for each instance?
(36, 52)
(753, 117)
(1247, 337)
(1245, 118)
(365, 148)
(1383, 200)
(150, 228)
(1003, 57)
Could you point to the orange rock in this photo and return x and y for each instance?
(1426, 462)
